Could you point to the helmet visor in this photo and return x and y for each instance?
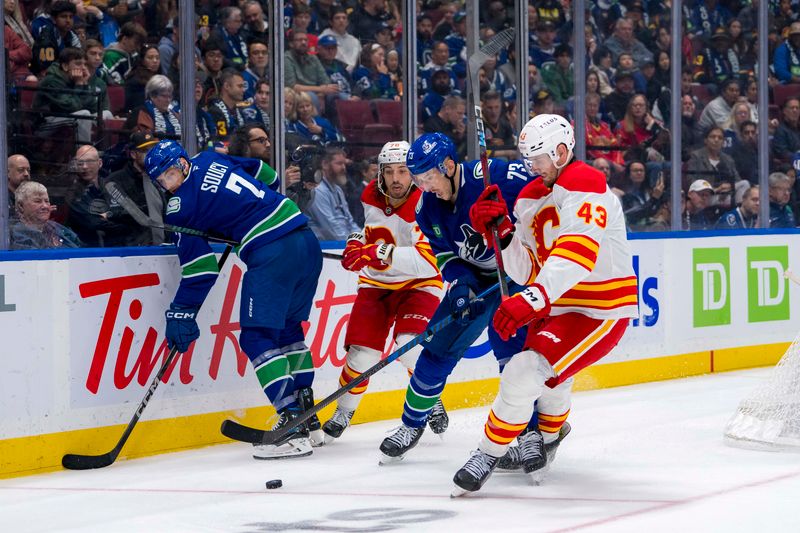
(425, 180)
(537, 163)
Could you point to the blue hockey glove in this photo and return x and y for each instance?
(459, 295)
(182, 327)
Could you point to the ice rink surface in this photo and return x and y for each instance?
(644, 458)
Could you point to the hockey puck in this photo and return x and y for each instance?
(274, 484)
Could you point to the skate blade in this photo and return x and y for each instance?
(317, 438)
(386, 460)
(287, 450)
(537, 476)
(329, 438)
(457, 491)
(283, 455)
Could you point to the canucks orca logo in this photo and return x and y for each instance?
(473, 248)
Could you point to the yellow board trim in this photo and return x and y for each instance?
(42, 453)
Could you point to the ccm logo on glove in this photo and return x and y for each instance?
(179, 315)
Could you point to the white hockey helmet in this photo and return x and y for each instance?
(542, 135)
(392, 152)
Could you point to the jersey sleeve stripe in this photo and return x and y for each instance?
(443, 258)
(534, 267)
(588, 264)
(597, 304)
(424, 250)
(286, 211)
(266, 174)
(205, 264)
(582, 240)
(408, 284)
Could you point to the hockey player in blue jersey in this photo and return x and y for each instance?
(450, 188)
(236, 198)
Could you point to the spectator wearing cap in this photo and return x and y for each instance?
(227, 108)
(786, 140)
(559, 76)
(120, 57)
(31, 227)
(713, 64)
(712, 164)
(327, 50)
(786, 61)
(543, 103)
(134, 182)
(617, 102)
(255, 22)
(718, 110)
(551, 11)
(303, 71)
(385, 37)
(780, 192)
(367, 19)
(623, 40)
(625, 62)
(257, 66)
(371, 79)
(52, 35)
(451, 120)
(424, 38)
(707, 16)
(349, 48)
(699, 213)
(156, 115)
(439, 91)
(229, 34)
(745, 216)
(457, 43)
(545, 46)
(440, 60)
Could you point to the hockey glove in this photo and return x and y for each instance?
(461, 306)
(182, 328)
(375, 255)
(488, 211)
(521, 309)
(352, 251)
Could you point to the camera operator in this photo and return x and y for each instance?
(308, 175)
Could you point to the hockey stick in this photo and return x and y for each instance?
(476, 60)
(75, 461)
(236, 431)
(143, 220)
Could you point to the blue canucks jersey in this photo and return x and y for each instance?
(232, 197)
(460, 250)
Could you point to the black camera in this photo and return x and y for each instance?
(308, 157)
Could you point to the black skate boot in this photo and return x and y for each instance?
(438, 419)
(537, 476)
(305, 398)
(395, 446)
(474, 473)
(529, 454)
(293, 444)
(336, 425)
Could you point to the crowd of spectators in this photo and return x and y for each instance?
(100, 63)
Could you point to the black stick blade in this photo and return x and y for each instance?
(236, 431)
(72, 461)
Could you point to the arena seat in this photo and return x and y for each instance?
(780, 93)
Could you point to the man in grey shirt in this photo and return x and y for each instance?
(329, 217)
(623, 41)
(303, 71)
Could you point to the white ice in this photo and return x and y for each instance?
(645, 458)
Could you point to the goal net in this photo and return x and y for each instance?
(769, 419)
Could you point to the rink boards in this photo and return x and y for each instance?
(82, 338)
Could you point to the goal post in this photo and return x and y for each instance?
(769, 419)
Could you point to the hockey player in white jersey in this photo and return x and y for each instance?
(569, 247)
(398, 284)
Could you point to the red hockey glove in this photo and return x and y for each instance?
(489, 211)
(521, 309)
(374, 256)
(352, 251)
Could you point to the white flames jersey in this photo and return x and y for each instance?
(413, 263)
(572, 241)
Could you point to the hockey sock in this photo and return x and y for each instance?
(420, 399)
(301, 364)
(550, 425)
(272, 370)
(350, 401)
(498, 434)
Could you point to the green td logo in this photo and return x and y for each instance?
(766, 286)
(711, 283)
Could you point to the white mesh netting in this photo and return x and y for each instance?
(770, 417)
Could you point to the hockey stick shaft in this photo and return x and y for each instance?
(238, 432)
(73, 461)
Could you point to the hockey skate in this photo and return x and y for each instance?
(537, 476)
(474, 473)
(294, 444)
(305, 398)
(438, 419)
(336, 425)
(394, 447)
(528, 455)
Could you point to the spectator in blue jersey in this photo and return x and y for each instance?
(545, 46)
(780, 192)
(227, 108)
(327, 50)
(745, 216)
(466, 262)
(236, 197)
(229, 34)
(732, 128)
(371, 80)
(310, 127)
(441, 88)
(52, 35)
(31, 228)
(329, 216)
(713, 63)
(257, 66)
(259, 110)
(707, 16)
(424, 38)
(457, 44)
(439, 61)
(497, 81)
(786, 61)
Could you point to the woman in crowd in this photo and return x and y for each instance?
(156, 115)
(732, 128)
(638, 128)
(592, 87)
(371, 78)
(601, 64)
(641, 201)
(661, 78)
(148, 66)
(32, 229)
(311, 127)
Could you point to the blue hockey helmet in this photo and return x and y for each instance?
(162, 156)
(430, 151)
